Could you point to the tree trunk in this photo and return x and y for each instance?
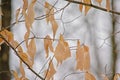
(4, 53)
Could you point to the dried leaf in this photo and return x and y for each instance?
(105, 77)
(99, 1)
(48, 44)
(108, 5)
(89, 76)
(54, 27)
(51, 72)
(25, 5)
(82, 57)
(25, 57)
(117, 76)
(17, 14)
(22, 69)
(15, 75)
(62, 50)
(15, 44)
(26, 36)
(29, 17)
(32, 49)
(50, 17)
(81, 6)
(7, 35)
(87, 7)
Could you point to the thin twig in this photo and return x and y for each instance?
(94, 6)
(21, 58)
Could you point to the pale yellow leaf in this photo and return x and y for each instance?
(48, 45)
(108, 5)
(89, 76)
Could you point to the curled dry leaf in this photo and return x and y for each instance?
(62, 50)
(89, 76)
(82, 57)
(48, 45)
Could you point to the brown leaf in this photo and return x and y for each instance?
(16, 44)
(26, 36)
(50, 17)
(89, 76)
(29, 17)
(81, 6)
(51, 72)
(87, 7)
(17, 14)
(32, 49)
(15, 74)
(108, 5)
(25, 5)
(25, 57)
(117, 76)
(62, 50)
(105, 77)
(7, 35)
(22, 69)
(82, 57)
(54, 27)
(99, 1)
(48, 44)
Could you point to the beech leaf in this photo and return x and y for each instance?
(82, 57)
(48, 45)
(62, 50)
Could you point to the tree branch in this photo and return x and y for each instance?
(94, 6)
(20, 57)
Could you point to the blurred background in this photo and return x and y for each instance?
(99, 30)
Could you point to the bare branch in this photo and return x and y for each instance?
(94, 6)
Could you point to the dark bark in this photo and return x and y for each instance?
(4, 53)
